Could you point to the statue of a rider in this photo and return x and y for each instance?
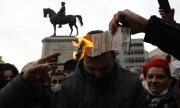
(62, 12)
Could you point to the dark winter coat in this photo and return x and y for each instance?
(19, 94)
(163, 101)
(122, 90)
(176, 93)
(165, 35)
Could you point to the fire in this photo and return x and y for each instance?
(82, 44)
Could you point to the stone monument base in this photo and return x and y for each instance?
(62, 44)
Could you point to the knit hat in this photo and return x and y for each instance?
(156, 63)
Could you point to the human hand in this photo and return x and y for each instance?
(36, 73)
(169, 16)
(127, 18)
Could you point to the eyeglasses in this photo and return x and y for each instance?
(56, 81)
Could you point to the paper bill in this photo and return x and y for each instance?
(104, 42)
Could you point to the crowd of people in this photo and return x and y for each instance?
(48, 95)
(100, 82)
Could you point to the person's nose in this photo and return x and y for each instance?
(154, 79)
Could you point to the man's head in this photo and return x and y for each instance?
(62, 3)
(69, 67)
(102, 65)
(56, 81)
(57, 78)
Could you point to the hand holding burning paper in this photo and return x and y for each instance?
(96, 44)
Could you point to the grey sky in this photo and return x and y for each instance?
(22, 25)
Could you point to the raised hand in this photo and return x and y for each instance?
(36, 73)
(127, 18)
(169, 16)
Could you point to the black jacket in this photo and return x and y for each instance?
(123, 90)
(164, 101)
(19, 94)
(165, 35)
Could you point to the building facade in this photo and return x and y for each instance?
(156, 53)
(134, 57)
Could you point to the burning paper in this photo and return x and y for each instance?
(96, 44)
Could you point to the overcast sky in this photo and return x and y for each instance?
(22, 25)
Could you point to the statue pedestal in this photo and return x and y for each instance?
(62, 44)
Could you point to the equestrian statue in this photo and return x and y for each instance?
(61, 18)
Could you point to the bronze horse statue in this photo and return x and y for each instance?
(68, 19)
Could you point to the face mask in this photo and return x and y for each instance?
(175, 69)
(144, 83)
(55, 87)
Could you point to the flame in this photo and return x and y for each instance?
(82, 44)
